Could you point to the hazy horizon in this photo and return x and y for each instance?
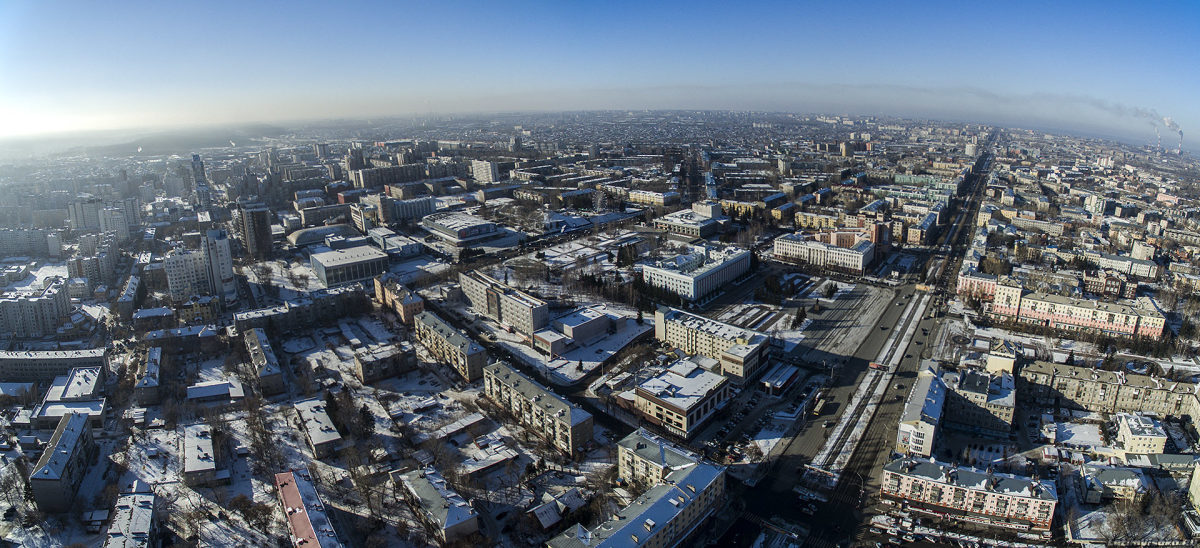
(1094, 68)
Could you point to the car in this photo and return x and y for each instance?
(827, 424)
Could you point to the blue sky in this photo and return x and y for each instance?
(1094, 66)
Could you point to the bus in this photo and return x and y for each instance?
(879, 366)
(818, 406)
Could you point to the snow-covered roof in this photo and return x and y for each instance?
(972, 478)
(648, 514)
(441, 505)
(683, 385)
(306, 517)
(64, 443)
(316, 421)
(198, 453)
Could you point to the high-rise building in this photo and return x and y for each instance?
(198, 170)
(206, 271)
(186, 275)
(84, 213)
(255, 229)
(321, 149)
(112, 219)
(484, 171)
(219, 265)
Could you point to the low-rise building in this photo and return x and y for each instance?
(566, 426)
(1138, 433)
(405, 302)
(450, 346)
(1104, 483)
(308, 522)
(968, 494)
(199, 458)
(741, 352)
(668, 514)
(460, 229)
(447, 516)
(264, 361)
(681, 398)
(146, 387)
(380, 361)
(56, 476)
(132, 524)
(698, 273)
(323, 438)
(343, 266)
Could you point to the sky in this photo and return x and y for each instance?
(1100, 67)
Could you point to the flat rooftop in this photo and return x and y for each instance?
(316, 421)
(350, 255)
(683, 385)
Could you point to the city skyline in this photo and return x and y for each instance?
(1096, 68)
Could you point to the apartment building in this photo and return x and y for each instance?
(56, 476)
(741, 352)
(308, 523)
(650, 198)
(507, 306)
(645, 459)
(45, 365)
(1013, 303)
(566, 426)
(1081, 387)
(699, 272)
(979, 402)
(448, 345)
(667, 514)
(802, 248)
(445, 513)
(37, 313)
(265, 362)
(199, 458)
(132, 524)
(323, 438)
(1141, 434)
(681, 398)
(405, 302)
(968, 494)
(922, 414)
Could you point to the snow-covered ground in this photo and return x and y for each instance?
(1077, 434)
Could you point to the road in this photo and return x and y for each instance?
(841, 519)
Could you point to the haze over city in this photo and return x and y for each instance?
(599, 275)
(1100, 67)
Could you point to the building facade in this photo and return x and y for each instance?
(507, 306)
(458, 351)
(698, 273)
(742, 352)
(968, 494)
(566, 426)
(56, 476)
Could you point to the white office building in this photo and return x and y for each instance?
(699, 272)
